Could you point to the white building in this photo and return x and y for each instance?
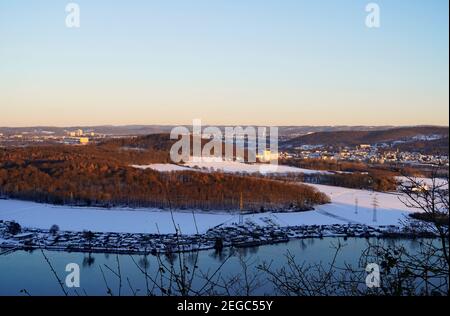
(267, 156)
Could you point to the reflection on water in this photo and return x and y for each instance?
(414, 244)
(88, 260)
(28, 269)
(144, 263)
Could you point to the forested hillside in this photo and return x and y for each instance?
(353, 138)
(100, 175)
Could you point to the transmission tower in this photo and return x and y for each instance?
(375, 205)
(241, 208)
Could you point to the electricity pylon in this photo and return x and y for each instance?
(241, 207)
(375, 205)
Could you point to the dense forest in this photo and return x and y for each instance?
(357, 175)
(353, 138)
(99, 175)
(427, 147)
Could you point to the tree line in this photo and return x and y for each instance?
(356, 175)
(100, 175)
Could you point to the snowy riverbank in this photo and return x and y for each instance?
(341, 210)
(124, 230)
(237, 235)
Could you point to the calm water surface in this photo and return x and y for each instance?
(29, 270)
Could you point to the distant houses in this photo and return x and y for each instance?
(78, 137)
(76, 140)
(267, 156)
(364, 153)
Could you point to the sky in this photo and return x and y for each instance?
(233, 62)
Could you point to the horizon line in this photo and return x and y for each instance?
(225, 125)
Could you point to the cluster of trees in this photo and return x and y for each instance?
(363, 181)
(331, 165)
(100, 175)
(357, 175)
(428, 147)
(352, 166)
(374, 180)
(353, 138)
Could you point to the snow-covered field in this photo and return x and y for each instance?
(390, 209)
(162, 167)
(423, 181)
(228, 167)
(342, 210)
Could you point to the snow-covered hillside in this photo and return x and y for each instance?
(228, 167)
(342, 210)
(161, 167)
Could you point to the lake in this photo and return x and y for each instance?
(29, 270)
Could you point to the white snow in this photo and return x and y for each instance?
(423, 181)
(161, 167)
(390, 209)
(43, 216)
(229, 167)
(342, 210)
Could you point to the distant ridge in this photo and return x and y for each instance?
(124, 130)
(352, 138)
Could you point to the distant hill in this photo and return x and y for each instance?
(159, 142)
(353, 138)
(130, 130)
(125, 130)
(438, 146)
(154, 146)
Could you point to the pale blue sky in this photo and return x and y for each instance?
(268, 62)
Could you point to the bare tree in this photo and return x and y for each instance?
(431, 200)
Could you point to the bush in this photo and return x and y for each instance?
(14, 228)
(54, 230)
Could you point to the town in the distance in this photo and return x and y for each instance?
(414, 145)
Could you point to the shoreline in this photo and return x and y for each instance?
(237, 236)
